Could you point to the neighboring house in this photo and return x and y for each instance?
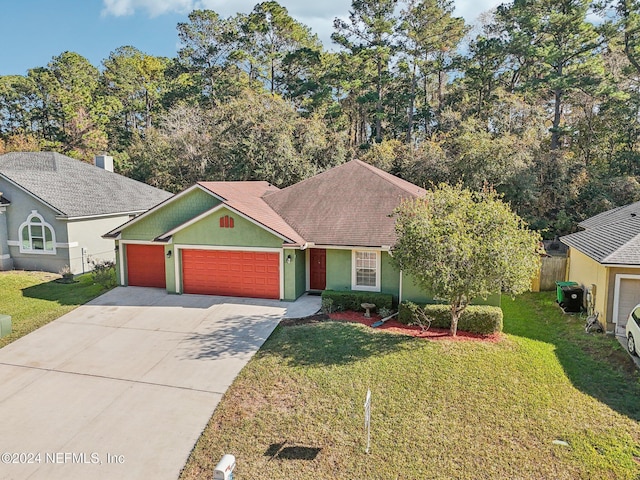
(54, 209)
(332, 231)
(605, 259)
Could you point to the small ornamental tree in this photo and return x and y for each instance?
(460, 245)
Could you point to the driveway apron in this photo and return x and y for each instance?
(123, 386)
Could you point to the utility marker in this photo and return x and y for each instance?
(367, 419)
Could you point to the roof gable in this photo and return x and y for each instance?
(74, 188)
(169, 214)
(350, 205)
(247, 198)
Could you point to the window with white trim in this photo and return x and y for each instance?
(36, 235)
(365, 270)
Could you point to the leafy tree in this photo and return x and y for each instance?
(428, 30)
(211, 53)
(255, 136)
(369, 35)
(69, 107)
(273, 37)
(460, 245)
(17, 98)
(558, 50)
(134, 83)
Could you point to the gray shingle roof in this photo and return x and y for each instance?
(612, 216)
(348, 205)
(615, 242)
(75, 188)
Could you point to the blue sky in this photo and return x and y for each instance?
(34, 31)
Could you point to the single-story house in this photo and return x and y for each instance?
(54, 210)
(332, 231)
(605, 259)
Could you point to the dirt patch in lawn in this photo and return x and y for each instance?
(392, 326)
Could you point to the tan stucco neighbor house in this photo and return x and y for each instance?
(54, 209)
(605, 259)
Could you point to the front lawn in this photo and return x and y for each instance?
(440, 409)
(33, 299)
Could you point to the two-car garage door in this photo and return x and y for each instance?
(232, 273)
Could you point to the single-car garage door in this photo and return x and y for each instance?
(145, 266)
(628, 297)
(232, 273)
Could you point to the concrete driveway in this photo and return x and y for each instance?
(122, 387)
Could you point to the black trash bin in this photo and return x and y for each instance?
(572, 299)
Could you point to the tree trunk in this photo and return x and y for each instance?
(557, 111)
(273, 77)
(628, 36)
(457, 307)
(379, 104)
(412, 101)
(441, 78)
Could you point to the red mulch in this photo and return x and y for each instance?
(396, 327)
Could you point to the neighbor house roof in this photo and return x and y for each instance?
(348, 205)
(246, 198)
(77, 189)
(612, 216)
(612, 237)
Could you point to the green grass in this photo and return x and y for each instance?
(33, 299)
(440, 410)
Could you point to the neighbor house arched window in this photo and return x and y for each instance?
(36, 235)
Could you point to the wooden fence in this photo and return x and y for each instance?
(552, 269)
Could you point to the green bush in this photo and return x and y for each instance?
(482, 319)
(350, 300)
(104, 273)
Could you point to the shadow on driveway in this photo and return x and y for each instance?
(235, 335)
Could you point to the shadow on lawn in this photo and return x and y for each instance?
(596, 364)
(293, 452)
(76, 293)
(332, 343)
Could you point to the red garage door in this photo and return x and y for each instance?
(145, 266)
(236, 274)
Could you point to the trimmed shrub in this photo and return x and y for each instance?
(327, 305)
(350, 300)
(481, 319)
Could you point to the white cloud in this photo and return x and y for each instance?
(119, 8)
(317, 14)
(472, 9)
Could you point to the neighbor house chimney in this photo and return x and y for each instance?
(105, 162)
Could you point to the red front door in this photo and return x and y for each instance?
(317, 269)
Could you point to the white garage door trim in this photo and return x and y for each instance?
(616, 295)
(178, 262)
(121, 247)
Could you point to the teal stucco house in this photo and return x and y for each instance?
(332, 231)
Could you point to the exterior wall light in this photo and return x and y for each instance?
(288, 258)
(169, 254)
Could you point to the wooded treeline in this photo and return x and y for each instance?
(541, 100)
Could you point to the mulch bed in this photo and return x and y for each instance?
(392, 326)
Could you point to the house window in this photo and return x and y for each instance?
(365, 270)
(226, 221)
(36, 235)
